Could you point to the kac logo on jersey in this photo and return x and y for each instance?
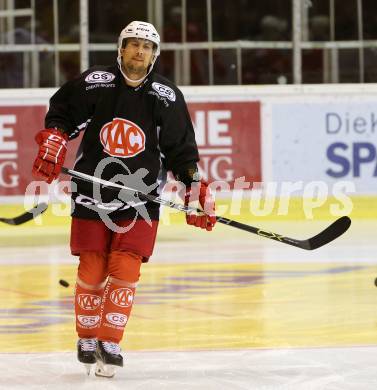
(122, 297)
(164, 91)
(99, 76)
(122, 138)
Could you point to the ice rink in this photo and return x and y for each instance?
(220, 310)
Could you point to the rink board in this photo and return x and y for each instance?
(237, 207)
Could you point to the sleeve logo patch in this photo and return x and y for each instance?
(99, 77)
(164, 91)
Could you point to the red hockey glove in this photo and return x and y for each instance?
(52, 149)
(199, 196)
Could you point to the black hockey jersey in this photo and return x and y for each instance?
(132, 136)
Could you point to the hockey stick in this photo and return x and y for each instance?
(26, 217)
(336, 229)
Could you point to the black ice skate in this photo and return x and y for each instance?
(108, 358)
(86, 352)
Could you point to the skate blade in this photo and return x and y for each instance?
(88, 368)
(104, 370)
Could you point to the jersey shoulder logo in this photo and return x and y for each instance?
(122, 138)
(99, 76)
(164, 91)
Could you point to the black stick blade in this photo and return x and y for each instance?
(26, 217)
(331, 233)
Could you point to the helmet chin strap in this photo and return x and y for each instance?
(119, 60)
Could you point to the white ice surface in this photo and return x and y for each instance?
(266, 369)
(283, 369)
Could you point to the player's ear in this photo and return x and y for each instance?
(154, 57)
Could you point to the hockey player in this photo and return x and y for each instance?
(138, 120)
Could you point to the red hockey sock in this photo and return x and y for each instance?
(117, 299)
(90, 284)
(87, 310)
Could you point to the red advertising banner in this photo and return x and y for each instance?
(229, 140)
(18, 127)
(227, 133)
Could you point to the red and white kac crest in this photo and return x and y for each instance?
(88, 301)
(122, 297)
(122, 138)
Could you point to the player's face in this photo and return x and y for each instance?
(137, 56)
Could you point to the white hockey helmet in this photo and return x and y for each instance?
(142, 30)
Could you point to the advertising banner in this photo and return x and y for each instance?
(227, 133)
(325, 141)
(228, 137)
(324, 133)
(18, 127)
